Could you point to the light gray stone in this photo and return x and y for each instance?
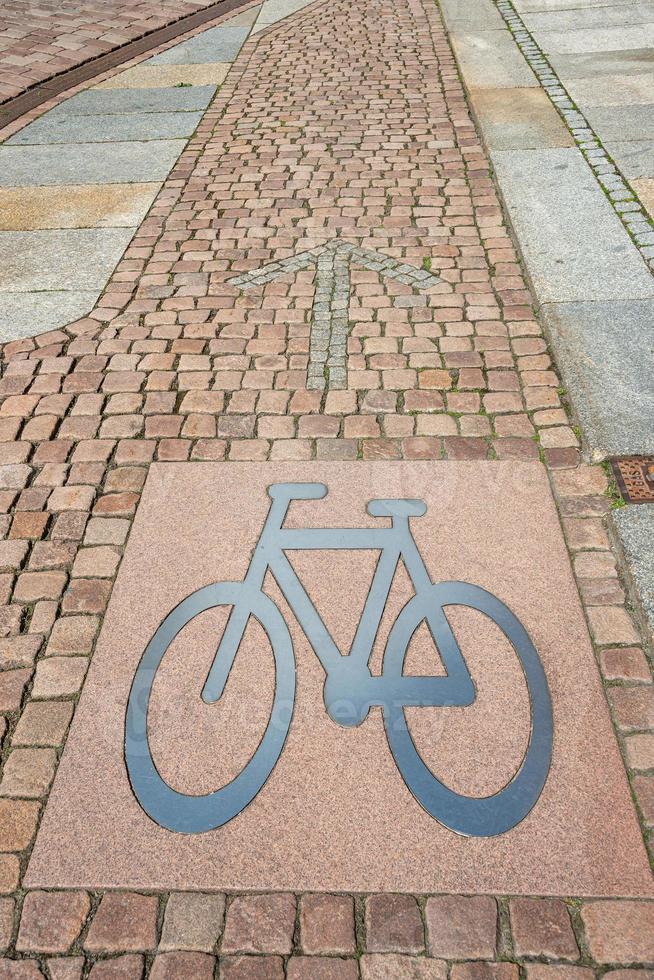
(634, 159)
(115, 128)
(95, 102)
(491, 59)
(273, 11)
(605, 352)
(73, 258)
(573, 243)
(631, 61)
(596, 39)
(523, 6)
(472, 15)
(29, 314)
(634, 527)
(623, 123)
(221, 43)
(120, 163)
(618, 15)
(612, 90)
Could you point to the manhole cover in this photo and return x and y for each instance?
(635, 478)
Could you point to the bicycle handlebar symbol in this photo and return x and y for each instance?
(350, 689)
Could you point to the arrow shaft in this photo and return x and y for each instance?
(330, 321)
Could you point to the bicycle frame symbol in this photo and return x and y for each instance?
(350, 688)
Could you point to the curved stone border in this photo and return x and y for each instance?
(623, 199)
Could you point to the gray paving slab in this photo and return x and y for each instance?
(617, 15)
(518, 118)
(119, 163)
(574, 244)
(117, 128)
(273, 11)
(73, 258)
(29, 314)
(95, 102)
(631, 61)
(607, 90)
(472, 15)
(597, 39)
(491, 59)
(623, 123)
(220, 43)
(634, 528)
(605, 351)
(634, 159)
(541, 5)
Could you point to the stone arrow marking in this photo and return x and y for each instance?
(329, 329)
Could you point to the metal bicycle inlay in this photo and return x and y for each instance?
(350, 690)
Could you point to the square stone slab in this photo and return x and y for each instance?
(335, 813)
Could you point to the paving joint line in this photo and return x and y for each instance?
(616, 188)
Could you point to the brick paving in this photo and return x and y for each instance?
(346, 121)
(39, 40)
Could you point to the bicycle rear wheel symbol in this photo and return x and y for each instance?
(350, 688)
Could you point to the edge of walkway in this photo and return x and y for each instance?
(593, 287)
(42, 92)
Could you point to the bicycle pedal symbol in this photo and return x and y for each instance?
(350, 688)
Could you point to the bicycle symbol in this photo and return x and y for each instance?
(350, 688)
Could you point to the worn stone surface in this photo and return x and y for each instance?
(75, 206)
(108, 128)
(606, 362)
(25, 313)
(491, 60)
(80, 163)
(557, 208)
(217, 44)
(518, 119)
(149, 75)
(635, 526)
(159, 98)
(78, 259)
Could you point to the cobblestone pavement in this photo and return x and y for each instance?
(345, 121)
(41, 39)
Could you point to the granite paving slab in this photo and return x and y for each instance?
(220, 43)
(133, 162)
(635, 160)
(334, 813)
(605, 90)
(129, 100)
(79, 258)
(75, 206)
(554, 5)
(275, 10)
(630, 61)
(597, 39)
(148, 76)
(468, 15)
(609, 15)
(518, 118)
(623, 123)
(605, 351)
(119, 128)
(28, 314)
(644, 187)
(491, 60)
(635, 531)
(573, 242)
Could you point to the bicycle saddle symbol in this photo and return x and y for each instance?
(350, 688)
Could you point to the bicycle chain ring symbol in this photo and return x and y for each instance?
(350, 688)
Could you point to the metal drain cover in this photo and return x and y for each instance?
(635, 478)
